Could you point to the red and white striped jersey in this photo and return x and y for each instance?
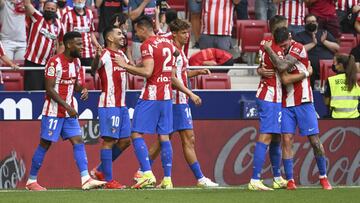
(181, 65)
(41, 42)
(72, 21)
(61, 12)
(293, 10)
(2, 52)
(113, 79)
(269, 89)
(299, 92)
(158, 85)
(343, 5)
(217, 17)
(65, 73)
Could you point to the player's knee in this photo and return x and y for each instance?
(265, 138)
(124, 143)
(76, 140)
(276, 138)
(45, 144)
(108, 142)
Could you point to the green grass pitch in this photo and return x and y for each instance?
(184, 195)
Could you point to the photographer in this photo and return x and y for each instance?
(320, 44)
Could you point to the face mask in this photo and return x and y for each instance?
(310, 27)
(48, 15)
(79, 5)
(61, 4)
(333, 68)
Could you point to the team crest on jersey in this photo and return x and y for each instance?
(51, 69)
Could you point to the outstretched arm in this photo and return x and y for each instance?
(194, 73)
(29, 8)
(144, 71)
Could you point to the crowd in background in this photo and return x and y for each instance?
(32, 31)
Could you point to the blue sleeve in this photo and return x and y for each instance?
(133, 4)
(330, 37)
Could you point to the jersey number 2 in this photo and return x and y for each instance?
(167, 54)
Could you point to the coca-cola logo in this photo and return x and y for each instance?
(234, 162)
(90, 132)
(12, 171)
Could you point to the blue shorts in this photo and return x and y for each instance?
(195, 6)
(114, 122)
(182, 117)
(303, 116)
(53, 127)
(270, 117)
(153, 117)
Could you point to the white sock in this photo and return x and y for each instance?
(278, 178)
(167, 178)
(147, 173)
(321, 177)
(255, 180)
(84, 179)
(29, 181)
(202, 179)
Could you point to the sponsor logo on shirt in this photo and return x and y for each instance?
(48, 34)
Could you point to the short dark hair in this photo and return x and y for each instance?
(170, 15)
(178, 25)
(275, 20)
(122, 18)
(308, 16)
(281, 35)
(106, 32)
(70, 36)
(51, 1)
(144, 21)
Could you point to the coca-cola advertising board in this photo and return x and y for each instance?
(224, 149)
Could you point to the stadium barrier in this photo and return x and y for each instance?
(224, 143)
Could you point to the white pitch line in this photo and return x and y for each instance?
(176, 189)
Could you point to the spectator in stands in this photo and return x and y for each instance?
(12, 34)
(216, 24)
(242, 10)
(356, 53)
(62, 8)
(136, 9)
(212, 57)
(347, 11)
(357, 22)
(120, 20)
(319, 43)
(44, 39)
(342, 92)
(80, 19)
(294, 11)
(108, 8)
(7, 61)
(326, 15)
(195, 19)
(264, 9)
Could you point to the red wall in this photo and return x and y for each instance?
(224, 150)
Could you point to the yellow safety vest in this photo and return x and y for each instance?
(344, 104)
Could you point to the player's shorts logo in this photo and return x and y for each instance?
(50, 133)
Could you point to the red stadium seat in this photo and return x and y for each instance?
(325, 71)
(13, 81)
(89, 82)
(179, 5)
(347, 42)
(250, 33)
(215, 81)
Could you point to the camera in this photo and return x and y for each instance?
(162, 5)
